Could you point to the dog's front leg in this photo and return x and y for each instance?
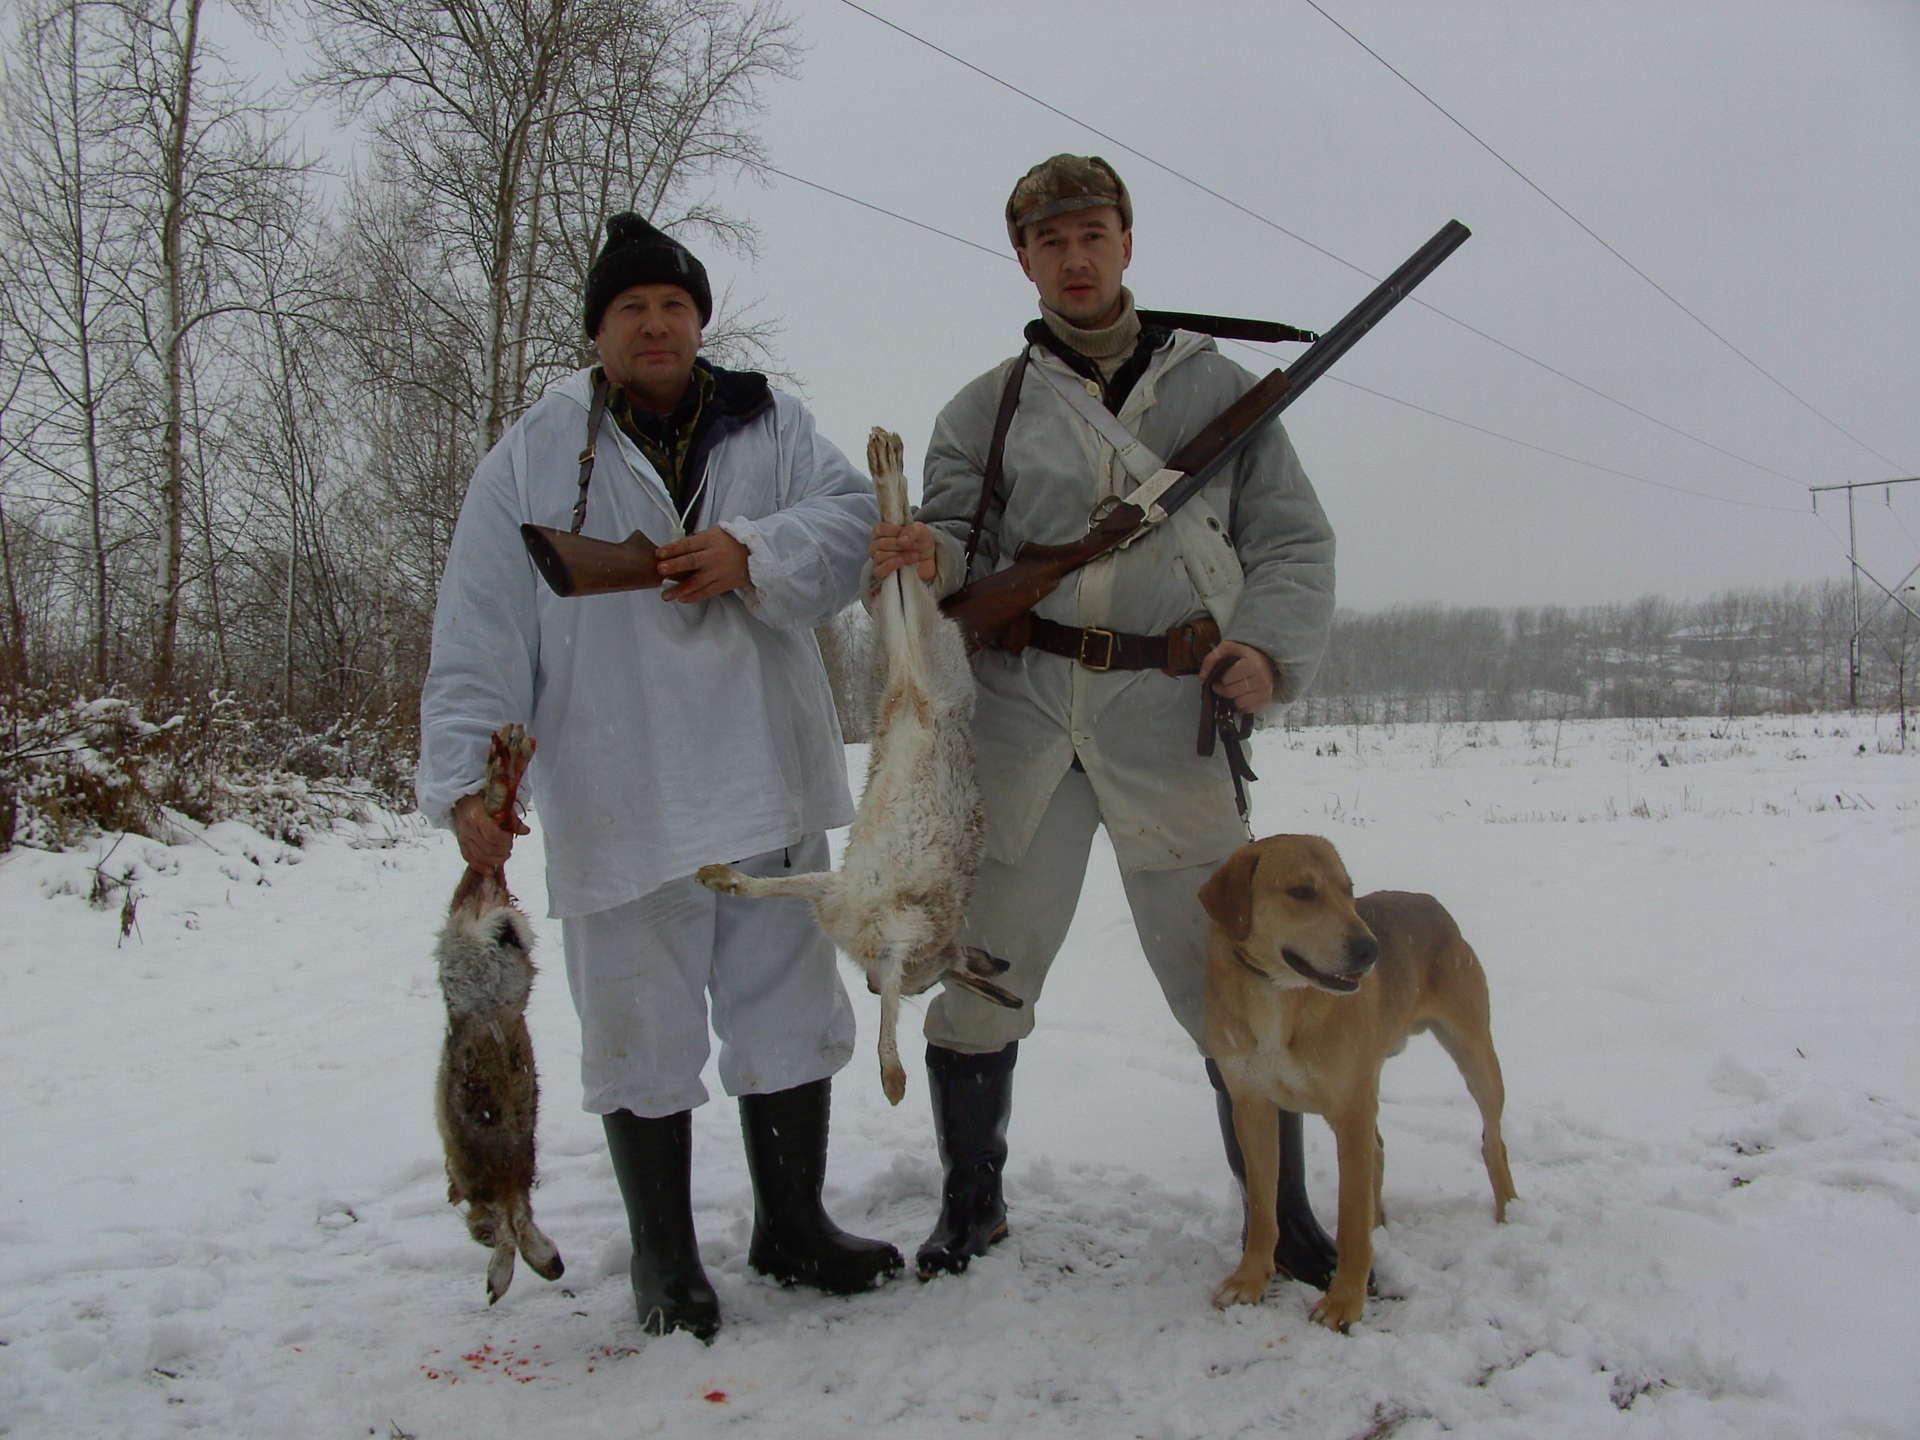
(1356, 1142)
(1256, 1122)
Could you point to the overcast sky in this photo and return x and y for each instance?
(1761, 160)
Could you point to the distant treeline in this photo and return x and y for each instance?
(1740, 652)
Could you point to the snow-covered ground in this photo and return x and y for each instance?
(222, 1209)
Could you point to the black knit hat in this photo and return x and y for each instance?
(638, 254)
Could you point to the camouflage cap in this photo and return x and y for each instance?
(1064, 183)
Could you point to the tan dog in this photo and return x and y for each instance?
(1309, 991)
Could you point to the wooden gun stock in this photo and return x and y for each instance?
(984, 609)
(580, 565)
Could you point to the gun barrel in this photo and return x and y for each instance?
(1334, 343)
(1219, 443)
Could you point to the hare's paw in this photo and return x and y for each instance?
(885, 454)
(723, 878)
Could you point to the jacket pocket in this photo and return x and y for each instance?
(1213, 569)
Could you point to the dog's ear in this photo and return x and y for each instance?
(1228, 894)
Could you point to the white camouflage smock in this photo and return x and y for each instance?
(1253, 548)
(669, 735)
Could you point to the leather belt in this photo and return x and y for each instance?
(1178, 652)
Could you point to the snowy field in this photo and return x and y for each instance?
(222, 1209)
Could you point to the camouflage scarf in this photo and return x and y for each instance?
(666, 440)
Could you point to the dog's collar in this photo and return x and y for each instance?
(1233, 948)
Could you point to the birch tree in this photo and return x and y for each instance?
(224, 197)
(67, 227)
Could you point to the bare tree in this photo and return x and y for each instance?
(225, 197)
(67, 225)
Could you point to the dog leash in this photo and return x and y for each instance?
(1220, 720)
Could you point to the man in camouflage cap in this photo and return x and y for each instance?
(1087, 719)
(1065, 183)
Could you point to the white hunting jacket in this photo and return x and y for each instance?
(669, 736)
(1254, 549)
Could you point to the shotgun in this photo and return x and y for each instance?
(986, 607)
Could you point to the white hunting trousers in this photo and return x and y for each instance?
(641, 973)
(1020, 914)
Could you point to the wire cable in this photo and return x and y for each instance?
(1543, 449)
(1601, 241)
(880, 210)
(1319, 249)
(1269, 357)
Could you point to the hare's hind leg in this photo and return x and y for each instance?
(535, 1248)
(491, 1225)
(813, 885)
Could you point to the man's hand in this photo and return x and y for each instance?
(1244, 675)
(703, 565)
(483, 844)
(894, 547)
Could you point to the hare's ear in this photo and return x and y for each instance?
(510, 932)
(1228, 894)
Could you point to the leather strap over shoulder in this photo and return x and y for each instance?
(1138, 461)
(996, 455)
(595, 410)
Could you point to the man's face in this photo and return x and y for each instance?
(647, 341)
(1076, 260)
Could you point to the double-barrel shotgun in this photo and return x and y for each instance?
(984, 608)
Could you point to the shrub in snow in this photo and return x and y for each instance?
(71, 768)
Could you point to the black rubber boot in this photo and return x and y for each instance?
(793, 1239)
(1303, 1251)
(653, 1161)
(972, 1100)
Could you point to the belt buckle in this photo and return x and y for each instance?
(1106, 661)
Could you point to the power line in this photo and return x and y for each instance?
(1541, 449)
(880, 210)
(1562, 455)
(1273, 224)
(1268, 356)
(1600, 240)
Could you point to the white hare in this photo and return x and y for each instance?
(895, 903)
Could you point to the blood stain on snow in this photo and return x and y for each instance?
(715, 1397)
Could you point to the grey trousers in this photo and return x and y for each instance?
(641, 974)
(1020, 914)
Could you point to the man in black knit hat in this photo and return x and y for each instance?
(676, 727)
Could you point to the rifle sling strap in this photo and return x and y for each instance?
(996, 455)
(594, 411)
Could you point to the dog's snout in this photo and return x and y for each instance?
(1362, 951)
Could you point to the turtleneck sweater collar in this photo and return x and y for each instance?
(1107, 347)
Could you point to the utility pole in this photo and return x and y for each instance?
(1853, 564)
